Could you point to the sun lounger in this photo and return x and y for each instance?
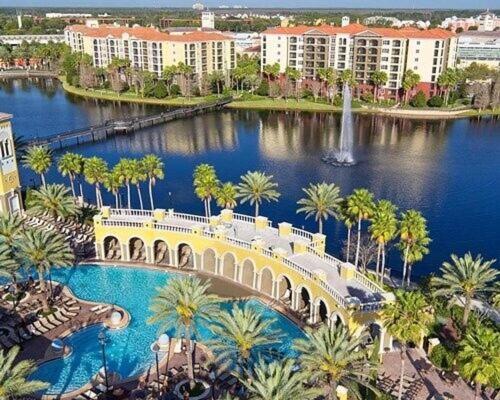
(46, 323)
(102, 310)
(91, 394)
(70, 314)
(33, 330)
(39, 327)
(178, 346)
(53, 320)
(173, 371)
(61, 317)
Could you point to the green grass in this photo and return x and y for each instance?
(262, 103)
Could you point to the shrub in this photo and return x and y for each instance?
(367, 97)
(175, 90)
(418, 100)
(435, 101)
(263, 89)
(442, 357)
(160, 91)
(337, 101)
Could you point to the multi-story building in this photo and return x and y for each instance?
(484, 22)
(10, 187)
(363, 50)
(150, 49)
(478, 47)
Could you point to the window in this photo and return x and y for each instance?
(416, 59)
(418, 42)
(386, 42)
(417, 51)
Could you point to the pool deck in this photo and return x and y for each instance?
(242, 231)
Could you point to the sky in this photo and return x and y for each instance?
(478, 4)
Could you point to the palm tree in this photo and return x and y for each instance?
(271, 71)
(39, 160)
(153, 167)
(479, 358)
(414, 239)
(294, 75)
(379, 78)
(278, 380)
(95, 171)
(71, 165)
(407, 319)
(14, 377)
(360, 206)
(206, 185)
(137, 175)
(226, 195)
(8, 264)
(241, 335)
(410, 80)
(348, 221)
(255, 187)
(123, 169)
(55, 199)
(466, 277)
(383, 229)
(43, 250)
(113, 184)
(322, 200)
(11, 226)
(335, 357)
(180, 304)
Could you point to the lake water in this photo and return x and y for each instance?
(450, 170)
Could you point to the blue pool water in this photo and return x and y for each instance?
(128, 350)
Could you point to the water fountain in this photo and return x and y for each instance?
(343, 156)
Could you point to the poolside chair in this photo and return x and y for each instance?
(53, 320)
(33, 331)
(46, 323)
(103, 310)
(39, 327)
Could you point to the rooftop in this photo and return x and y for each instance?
(5, 117)
(492, 34)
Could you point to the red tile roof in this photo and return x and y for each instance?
(142, 33)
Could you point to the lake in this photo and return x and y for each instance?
(449, 170)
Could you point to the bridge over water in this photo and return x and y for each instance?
(123, 126)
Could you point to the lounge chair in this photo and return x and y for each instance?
(32, 330)
(102, 310)
(46, 323)
(178, 347)
(53, 320)
(39, 327)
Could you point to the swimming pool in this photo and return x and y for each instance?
(128, 350)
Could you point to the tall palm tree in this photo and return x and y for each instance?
(8, 264)
(479, 358)
(14, 377)
(153, 167)
(11, 226)
(360, 206)
(255, 187)
(179, 305)
(123, 169)
(348, 221)
(70, 165)
(95, 171)
(137, 175)
(39, 160)
(335, 357)
(408, 320)
(241, 335)
(466, 277)
(383, 229)
(113, 184)
(43, 250)
(226, 195)
(278, 380)
(206, 185)
(322, 200)
(379, 78)
(413, 236)
(55, 199)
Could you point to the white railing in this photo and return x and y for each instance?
(244, 218)
(372, 306)
(365, 281)
(302, 233)
(125, 212)
(334, 293)
(239, 242)
(173, 228)
(191, 217)
(119, 223)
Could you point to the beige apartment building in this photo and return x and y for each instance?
(152, 50)
(363, 50)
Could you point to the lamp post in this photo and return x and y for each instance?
(156, 348)
(102, 341)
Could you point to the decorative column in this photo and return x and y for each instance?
(274, 290)
(125, 252)
(259, 281)
(239, 273)
(149, 255)
(312, 312)
(383, 331)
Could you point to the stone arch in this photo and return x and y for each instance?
(209, 261)
(247, 273)
(161, 252)
(229, 266)
(322, 311)
(304, 299)
(285, 289)
(266, 281)
(137, 249)
(185, 256)
(374, 332)
(336, 319)
(112, 248)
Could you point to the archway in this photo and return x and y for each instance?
(375, 332)
(285, 290)
(248, 271)
(209, 261)
(322, 311)
(112, 248)
(137, 250)
(185, 256)
(229, 266)
(266, 282)
(161, 252)
(336, 320)
(304, 304)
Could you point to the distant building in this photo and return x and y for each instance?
(16, 40)
(198, 7)
(67, 15)
(244, 41)
(208, 20)
(484, 22)
(479, 47)
(152, 50)
(363, 50)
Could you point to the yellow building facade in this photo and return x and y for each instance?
(10, 188)
(221, 246)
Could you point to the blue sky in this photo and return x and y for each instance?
(256, 3)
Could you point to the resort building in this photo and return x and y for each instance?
(478, 47)
(10, 188)
(150, 49)
(484, 22)
(363, 50)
